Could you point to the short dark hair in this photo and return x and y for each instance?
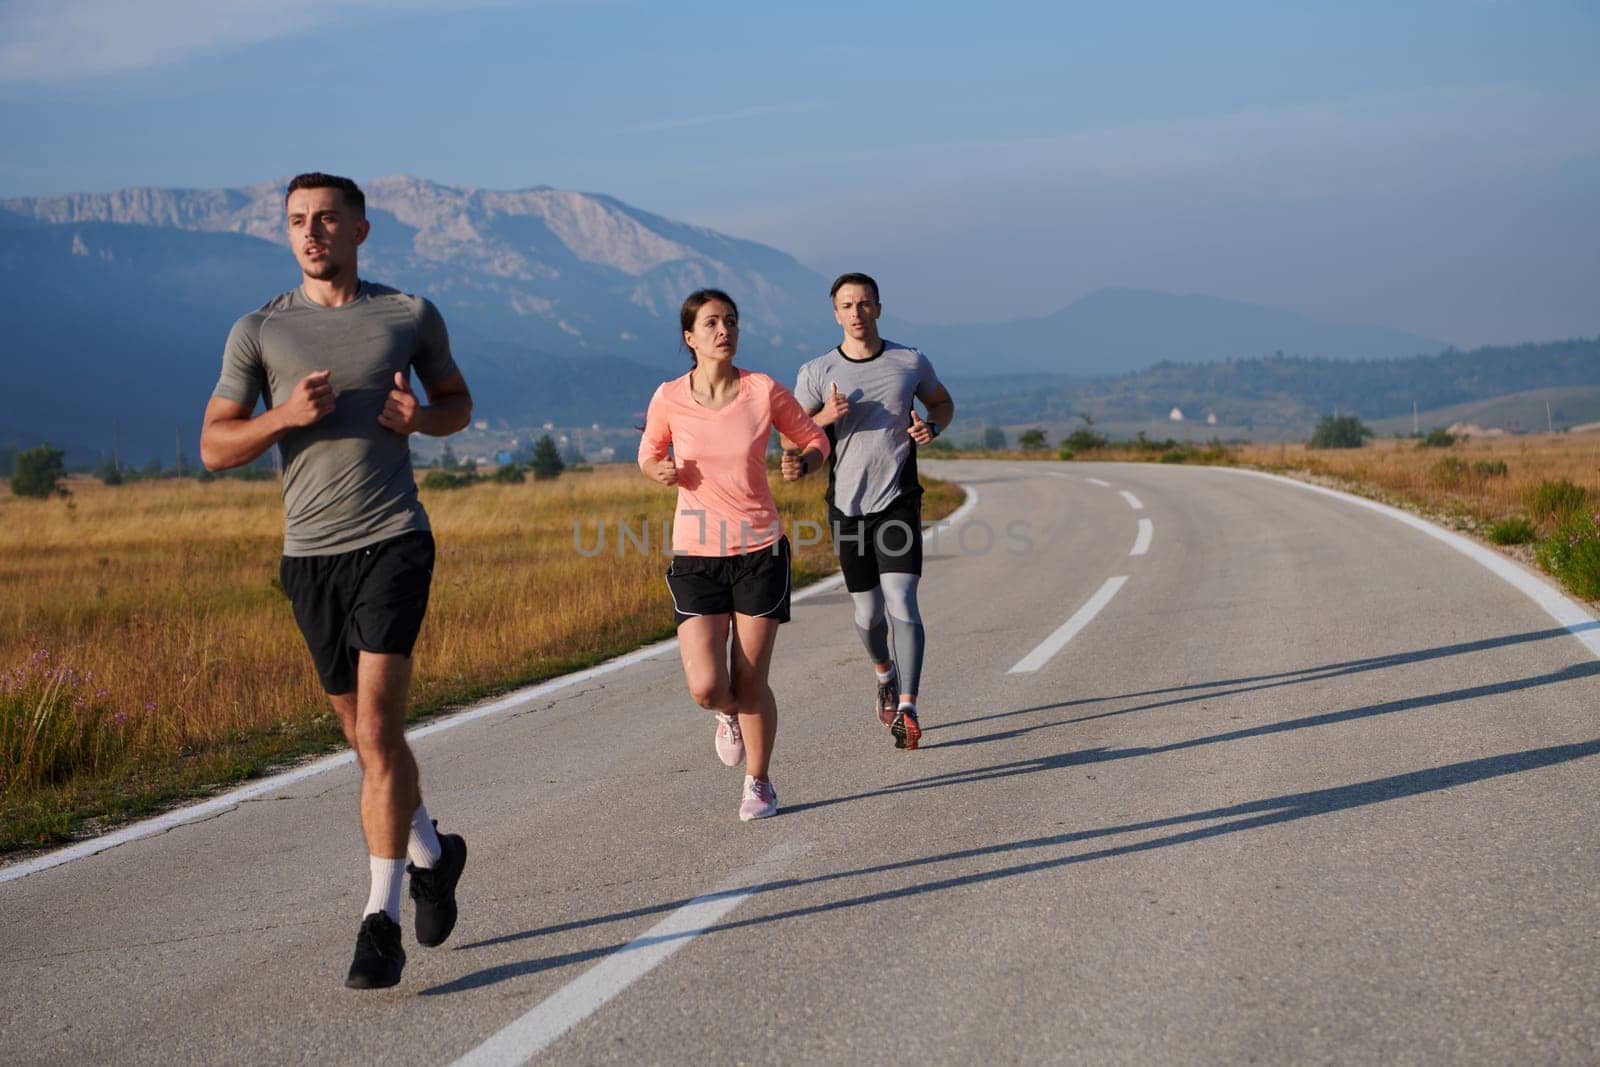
(353, 196)
(854, 278)
(691, 307)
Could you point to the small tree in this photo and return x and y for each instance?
(1032, 440)
(994, 439)
(546, 459)
(38, 472)
(1339, 431)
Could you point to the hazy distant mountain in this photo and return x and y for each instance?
(554, 270)
(1283, 396)
(561, 305)
(1114, 331)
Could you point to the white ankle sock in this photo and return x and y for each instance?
(388, 876)
(883, 676)
(423, 849)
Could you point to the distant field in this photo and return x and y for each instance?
(147, 652)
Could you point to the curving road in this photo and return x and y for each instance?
(1217, 769)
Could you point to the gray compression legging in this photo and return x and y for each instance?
(898, 594)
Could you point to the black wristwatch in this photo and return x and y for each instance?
(933, 428)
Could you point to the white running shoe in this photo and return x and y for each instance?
(730, 742)
(760, 800)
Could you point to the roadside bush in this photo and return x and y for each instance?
(1437, 438)
(1339, 431)
(1172, 455)
(1032, 440)
(1084, 440)
(1516, 530)
(1554, 502)
(1065, 453)
(1572, 554)
(1491, 468)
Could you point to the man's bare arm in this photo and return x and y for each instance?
(230, 437)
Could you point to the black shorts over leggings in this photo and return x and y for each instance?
(884, 542)
(370, 599)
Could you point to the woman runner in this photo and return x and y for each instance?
(706, 433)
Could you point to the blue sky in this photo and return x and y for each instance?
(1429, 166)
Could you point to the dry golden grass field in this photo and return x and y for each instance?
(147, 653)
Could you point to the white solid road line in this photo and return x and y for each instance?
(1069, 629)
(1133, 501)
(574, 1002)
(1141, 544)
(1097, 481)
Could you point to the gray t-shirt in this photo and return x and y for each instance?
(874, 460)
(347, 481)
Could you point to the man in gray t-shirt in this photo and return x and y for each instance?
(331, 361)
(862, 394)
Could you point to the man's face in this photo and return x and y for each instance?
(324, 232)
(856, 311)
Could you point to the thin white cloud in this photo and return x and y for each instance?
(725, 116)
(64, 41)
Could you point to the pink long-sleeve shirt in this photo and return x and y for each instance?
(725, 507)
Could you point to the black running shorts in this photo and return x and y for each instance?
(369, 600)
(756, 583)
(883, 542)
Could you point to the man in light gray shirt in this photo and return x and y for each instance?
(862, 394)
(331, 361)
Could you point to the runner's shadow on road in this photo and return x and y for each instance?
(1387, 707)
(1035, 854)
(1251, 684)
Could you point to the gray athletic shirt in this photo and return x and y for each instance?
(347, 481)
(874, 460)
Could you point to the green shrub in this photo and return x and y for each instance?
(438, 479)
(1437, 438)
(1065, 453)
(1032, 440)
(1172, 455)
(38, 472)
(1516, 530)
(508, 474)
(1572, 554)
(1339, 431)
(1554, 502)
(1490, 468)
(1084, 440)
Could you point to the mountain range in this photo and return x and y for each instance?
(561, 305)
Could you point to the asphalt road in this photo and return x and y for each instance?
(1306, 786)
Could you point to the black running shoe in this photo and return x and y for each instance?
(433, 889)
(379, 957)
(888, 698)
(905, 728)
